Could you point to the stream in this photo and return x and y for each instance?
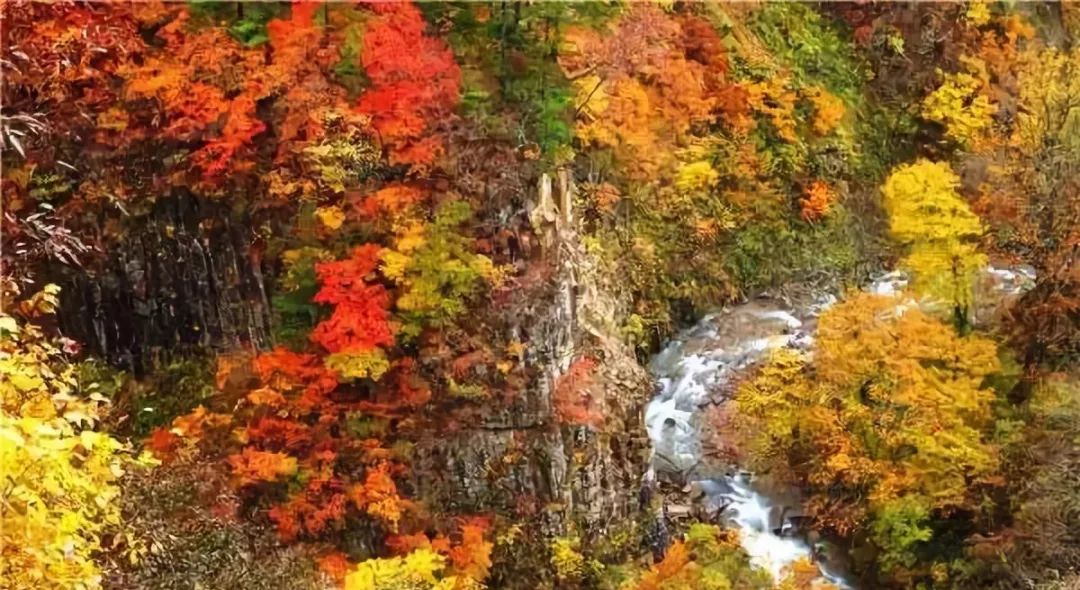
(697, 368)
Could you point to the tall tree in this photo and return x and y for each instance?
(941, 234)
(885, 423)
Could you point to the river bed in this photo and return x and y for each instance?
(697, 368)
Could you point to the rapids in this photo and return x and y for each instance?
(697, 367)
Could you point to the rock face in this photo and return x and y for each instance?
(582, 479)
(188, 279)
(524, 458)
(184, 277)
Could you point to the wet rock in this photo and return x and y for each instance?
(998, 288)
(699, 368)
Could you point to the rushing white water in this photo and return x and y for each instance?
(700, 362)
(696, 364)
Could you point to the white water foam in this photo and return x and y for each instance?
(702, 358)
(688, 370)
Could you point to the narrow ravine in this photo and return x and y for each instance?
(692, 371)
(697, 368)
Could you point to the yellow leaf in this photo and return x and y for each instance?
(332, 218)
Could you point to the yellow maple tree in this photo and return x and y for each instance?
(891, 405)
(930, 218)
(960, 105)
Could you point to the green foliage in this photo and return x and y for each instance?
(436, 270)
(513, 85)
(898, 527)
(348, 70)
(704, 247)
(724, 563)
(768, 253)
(95, 376)
(567, 560)
(799, 37)
(473, 391)
(294, 312)
(362, 426)
(246, 21)
(49, 186)
(371, 364)
(819, 53)
(885, 136)
(343, 161)
(173, 390)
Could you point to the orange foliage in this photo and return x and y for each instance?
(415, 82)
(464, 364)
(311, 511)
(335, 565)
(360, 321)
(705, 46)
(165, 442)
(241, 127)
(804, 574)
(675, 565)
(573, 394)
(91, 46)
(264, 396)
(407, 543)
(817, 201)
(291, 40)
(162, 444)
(191, 79)
(233, 369)
(278, 433)
(193, 425)
(603, 195)
(776, 100)
(651, 80)
(301, 51)
(193, 109)
(828, 110)
(198, 102)
(253, 466)
(733, 104)
(408, 387)
(472, 556)
(378, 496)
(293, 424)
(401, 389)
(387, 201)
(284, 370)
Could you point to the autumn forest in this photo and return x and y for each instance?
(599, 295)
